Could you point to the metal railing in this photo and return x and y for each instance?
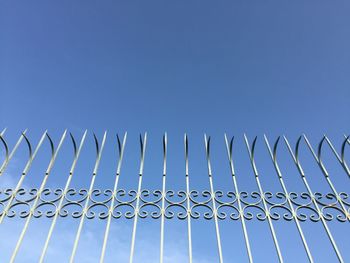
(163, 204)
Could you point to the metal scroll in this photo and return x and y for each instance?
(165, 204)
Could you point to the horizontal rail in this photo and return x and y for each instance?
(175, 204)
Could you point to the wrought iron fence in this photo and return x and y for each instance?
(165, 204)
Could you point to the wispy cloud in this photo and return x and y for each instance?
(90, 243)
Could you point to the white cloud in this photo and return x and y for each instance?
(90, 243)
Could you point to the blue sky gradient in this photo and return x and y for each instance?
(186, 65)
(275, 67)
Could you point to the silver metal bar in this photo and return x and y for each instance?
(212, 192)
(94, 173)
(343, 162)
(318, 159)
(110, 213)
(165, 145)
(340, 158)
(59, 207)
(10, 198)
(229, 148)
(301, 171)
(143, 149)
(24, 172)
(36, 200)
(273, 156)
(188, 202)
(332, 148)
(3, 131)
(256, 175)
(10, 155)
(6, 148)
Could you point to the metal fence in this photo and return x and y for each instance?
(164, 204)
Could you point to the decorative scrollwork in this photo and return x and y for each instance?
(208, 212)
(254, 211)
(5, 195)
(104, 196)
(98, 204)
(121, 193)
(145, 210)
(170, 211)
(275, 212)
(124, 209)
(76, 207)
(309, 213)
(232, 211)
(97, 208)
(302, 199)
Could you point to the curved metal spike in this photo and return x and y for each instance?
(3, 131)
(319, 149)
(186, 145)
(165, 145)
(141, 144)
(273, 154)
(74, 144)
(295, 154)
(96, 145)
(231, 146)
(7, 154)
(186, 153)
(275, 149)
(319, 155)
(296, 151)
(165, 142)
(343, 161)
(207, 145)
(51, 145)
(29, 145)
(143, 149)
(119, 144)
(346, 141)
(252, 150)
(207, 150)
(333, 149)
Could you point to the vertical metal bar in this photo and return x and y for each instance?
(273, 156)
(59, 207)
(3, 131)
(343, 162)
(143, 148)
(218, 239)
(36, 200)
(188, 201)
(94, 173)
(318, 159)
(24, 172)
(301, 171)
(340, 158)
(165, 145)
(6, 148)
(121, 154)
(333, 149)
(9, 157)
(256, 175)
(235, 185)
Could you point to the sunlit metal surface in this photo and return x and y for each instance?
(163, 204)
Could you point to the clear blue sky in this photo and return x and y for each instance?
(275, 67)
